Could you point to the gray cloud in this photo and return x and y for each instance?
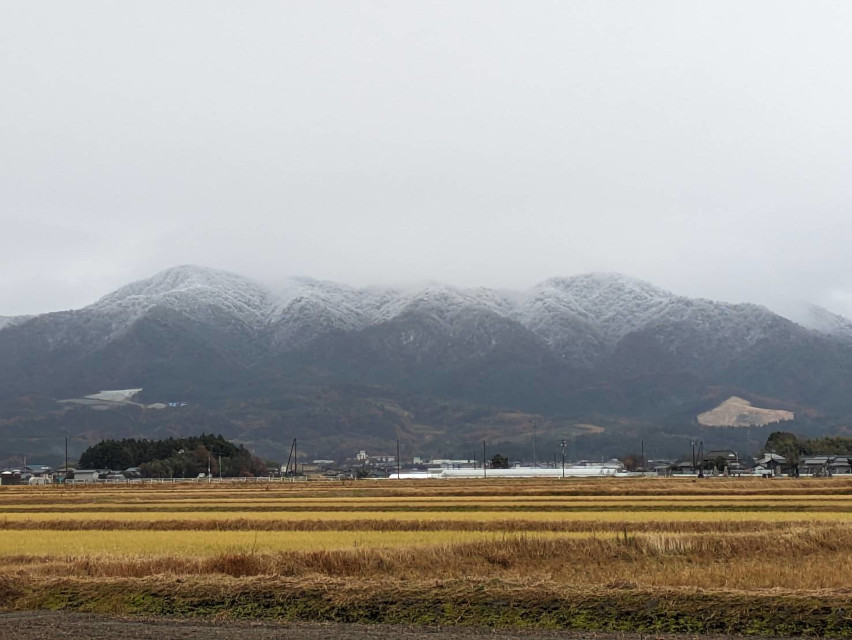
(703, 146)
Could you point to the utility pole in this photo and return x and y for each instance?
(535, 456)
(643, 455)
(397, 460)
(563, 459)
(65, 473)
(220, 466)
(288, 469)
(693, 456)
(484, 470)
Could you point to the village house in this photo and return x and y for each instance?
(770, 464)
(840, 465)
(86, 475)
(825, 465)
(722, 461)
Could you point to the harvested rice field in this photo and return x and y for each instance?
(717, 556)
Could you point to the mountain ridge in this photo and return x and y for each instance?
(617, 304)
(600, 344)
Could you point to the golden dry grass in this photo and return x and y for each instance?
(800, 558)
(750, 537)
(252, 519)
(469, 503)
(492, 488)
(204, 543)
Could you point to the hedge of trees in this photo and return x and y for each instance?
(174, 457)
(795, 448)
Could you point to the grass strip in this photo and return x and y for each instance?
(505, 526)
(460, 508)
(490, 603)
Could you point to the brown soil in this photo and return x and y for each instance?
(58, 625)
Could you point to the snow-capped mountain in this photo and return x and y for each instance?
(582, 318)
(197, 328)
(303, 309)
(612, 303)
(197, 293)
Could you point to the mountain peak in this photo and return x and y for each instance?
(174, 279)
(610, 305)
(188, 289)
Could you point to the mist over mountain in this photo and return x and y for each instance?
(430, 365)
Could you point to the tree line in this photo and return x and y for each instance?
(174, 457)
(794, 448)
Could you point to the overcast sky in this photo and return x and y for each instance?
(704, 146)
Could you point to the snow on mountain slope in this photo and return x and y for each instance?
(198, 293)
(12, 321)
(304, 308)
(229, 306)
(441, 302)
(586, 317)
(614, 304)
(447, 326)
(596, 342)
(701, 336)
(292, 315)
(821, 320)
(582, 319)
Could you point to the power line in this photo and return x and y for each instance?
(62, 435)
